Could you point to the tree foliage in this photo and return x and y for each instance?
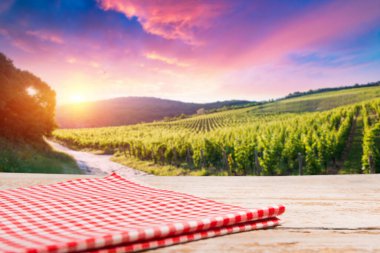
(27, 104)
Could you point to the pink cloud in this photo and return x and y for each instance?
(333, 21)
(235, 52)
(226, 45)
(170, 19)
(71, 60)
(23, 45)
(46, 36)
(167, 60)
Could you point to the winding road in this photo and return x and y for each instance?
(97, 164)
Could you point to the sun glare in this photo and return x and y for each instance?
(77, 98)
(31, 91)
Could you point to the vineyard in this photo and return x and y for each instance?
(245, 141)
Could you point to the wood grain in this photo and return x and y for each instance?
(324, 213)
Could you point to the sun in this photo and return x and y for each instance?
(77, 98)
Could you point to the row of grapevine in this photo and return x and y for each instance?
(238, 142)
(371, 138)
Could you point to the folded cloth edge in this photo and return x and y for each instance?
(162, 232)
(189, 237)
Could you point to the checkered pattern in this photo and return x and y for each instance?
(152, 244)
(113, 214)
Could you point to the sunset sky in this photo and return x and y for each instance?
(192, 50)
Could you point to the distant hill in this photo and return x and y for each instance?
(322, 90)
(332, 132)
(321, 100)
(130, 110)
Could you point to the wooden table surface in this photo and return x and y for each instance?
(324, 213)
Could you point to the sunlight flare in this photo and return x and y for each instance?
(77, 98)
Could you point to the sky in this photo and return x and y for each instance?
(192, 50)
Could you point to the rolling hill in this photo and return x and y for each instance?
(321, 101)
(327, 133)
(129, 110)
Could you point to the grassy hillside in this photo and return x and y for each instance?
(129, 110)
(321, 101)
(34, 157)
(258, 140)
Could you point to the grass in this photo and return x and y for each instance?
(321, 101)
(353, 164)
(34, 158)
(377, 144)
(159, 170)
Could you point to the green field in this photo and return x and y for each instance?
(328, 133)
(321, 101)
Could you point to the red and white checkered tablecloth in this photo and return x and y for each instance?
(113, 214)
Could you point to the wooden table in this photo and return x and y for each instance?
(324, 213)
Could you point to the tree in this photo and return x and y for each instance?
(27, 104)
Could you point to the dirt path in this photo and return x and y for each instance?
(96, 164)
